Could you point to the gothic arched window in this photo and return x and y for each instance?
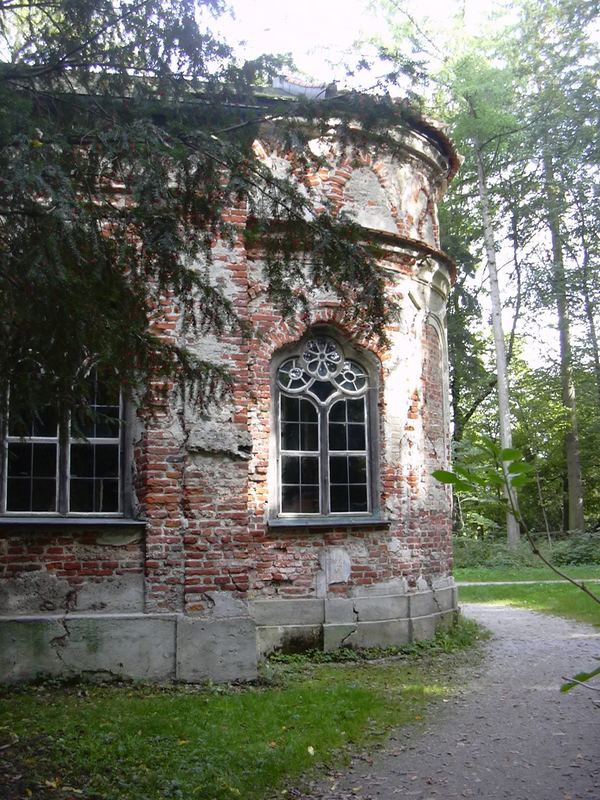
(324, 431)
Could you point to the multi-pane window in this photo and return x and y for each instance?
(32, 463)
(65, 466)
(324, 464)
(94, 455)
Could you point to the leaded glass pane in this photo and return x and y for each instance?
(310, 470)
(338, 469)
(43, 494)
(107, 460)
(290, 469)
(19, 459)
(44, 460)
(308, 413)
(356, 437)
(107, 422)
(46, 422)
(358, 498)
(291, 376)
(290, 409)
(338, 497)
(356, 410)
(290, 436)
(106, 496)
(290, 499)
(337, 436)
(81, 494)
(338, 412)
(352, 377)
(309, 436)
(322, 389)
(18, 494)
(310, 500)
(322, 357)
(82, 460)
(357, 469)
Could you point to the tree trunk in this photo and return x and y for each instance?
(589, 314)
(512, 526)
(574, 482)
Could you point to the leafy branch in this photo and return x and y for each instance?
(505, 472)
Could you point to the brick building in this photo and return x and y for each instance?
(298, 513)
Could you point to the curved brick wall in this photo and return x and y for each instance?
(208, 585)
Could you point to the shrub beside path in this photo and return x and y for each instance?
(508, 734)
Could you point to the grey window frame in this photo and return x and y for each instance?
(64, 439)
(325, 517)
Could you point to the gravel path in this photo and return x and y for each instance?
(508, 734)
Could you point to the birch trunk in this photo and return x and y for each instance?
(512, 526)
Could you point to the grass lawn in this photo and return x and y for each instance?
(523, 573)
(128, 742)
(561, 599)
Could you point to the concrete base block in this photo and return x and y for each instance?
(421, 604)
(339, 610)
(140, 647)
(444, 599)
(424, 627)
(288, 638)
(336, 636)
(375, 609)
(287, 612)
(216, 649)
(380, 634)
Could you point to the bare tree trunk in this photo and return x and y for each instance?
(589, 314)
(538, 483)
(512, 526)
(574, 482)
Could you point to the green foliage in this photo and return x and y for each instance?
(581, 548)
(461, 634)
(126, 132)
(474, 552)
(479, 480)
(577, 679)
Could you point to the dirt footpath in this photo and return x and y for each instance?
(509, 733)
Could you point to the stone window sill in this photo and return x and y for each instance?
(329, 522)
(69, 522)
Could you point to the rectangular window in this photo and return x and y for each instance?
(94, 455)
(32, 463)
(348, 463)
(73, 466)
(299, 444)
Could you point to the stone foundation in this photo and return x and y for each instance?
(223, 646)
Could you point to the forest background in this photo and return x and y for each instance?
(521, 221)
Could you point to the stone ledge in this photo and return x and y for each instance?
(43, 522)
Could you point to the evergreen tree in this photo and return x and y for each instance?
(126, 133)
